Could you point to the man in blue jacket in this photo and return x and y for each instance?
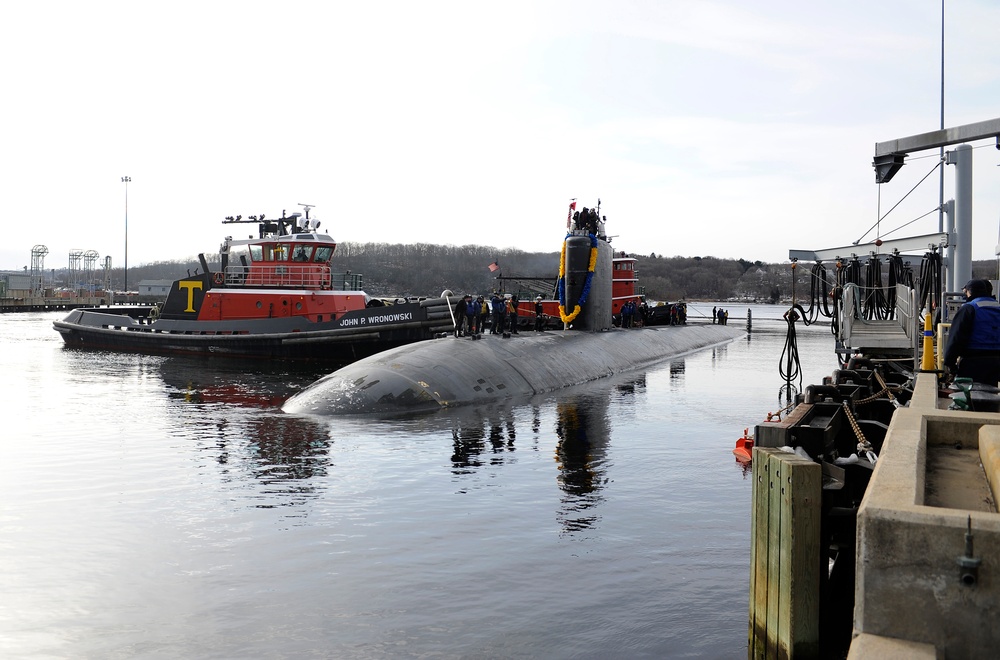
(973, 349)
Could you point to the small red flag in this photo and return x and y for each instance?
(494, 267)
(572, 205)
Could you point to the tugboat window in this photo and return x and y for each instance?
(323, 254)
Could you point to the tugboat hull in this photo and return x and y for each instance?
(355, 335)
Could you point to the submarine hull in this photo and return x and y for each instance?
(458, 371)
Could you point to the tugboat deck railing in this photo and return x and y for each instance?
(291, 276)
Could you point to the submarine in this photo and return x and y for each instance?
(457, 371)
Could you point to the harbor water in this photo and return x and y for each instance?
(165, 507)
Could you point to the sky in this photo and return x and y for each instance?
(712, 128)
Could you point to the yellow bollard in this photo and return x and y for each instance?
(927, 362)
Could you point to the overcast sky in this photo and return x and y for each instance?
(726, 128)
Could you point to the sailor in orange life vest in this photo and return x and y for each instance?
(973, 349)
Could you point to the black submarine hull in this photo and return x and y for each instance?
(451, 372)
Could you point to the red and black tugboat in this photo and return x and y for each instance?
(274, 296)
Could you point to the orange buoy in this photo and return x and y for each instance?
(744, 447)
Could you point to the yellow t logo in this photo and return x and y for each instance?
(190, 285)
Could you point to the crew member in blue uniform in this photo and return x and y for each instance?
(973, 349)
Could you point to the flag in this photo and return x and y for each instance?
(569, 213)
(494, 267)
(572, 205)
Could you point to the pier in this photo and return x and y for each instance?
(908, 562)
(927, 570)
(47, 304)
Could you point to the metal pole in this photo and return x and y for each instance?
(961, 158)
(949, 282)
(125, 180)
(941, 173)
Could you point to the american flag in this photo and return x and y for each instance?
(569, 213)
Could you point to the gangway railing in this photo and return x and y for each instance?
(892, 337)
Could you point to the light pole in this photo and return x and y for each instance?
(125, 180)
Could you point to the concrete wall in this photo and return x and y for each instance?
(928, 483)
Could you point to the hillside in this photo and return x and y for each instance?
(426, 269)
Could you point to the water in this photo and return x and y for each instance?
(155, 507)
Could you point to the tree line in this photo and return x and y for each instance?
(424, 269)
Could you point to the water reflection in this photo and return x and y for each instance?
(468, 443)
(283, 448)
(584, 431)
(489, 436)
(484, 435)
(263, 385)
(235, 417)
(632, 387)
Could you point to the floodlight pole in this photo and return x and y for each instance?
(126, 180)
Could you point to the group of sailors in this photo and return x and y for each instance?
(498, 315)
(720, 316)
(475, 315)
(636, 315)
(590, 220)
(629, 312)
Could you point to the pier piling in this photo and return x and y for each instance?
(784, 556)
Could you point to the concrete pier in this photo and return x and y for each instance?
(923, 589)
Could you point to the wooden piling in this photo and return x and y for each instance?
(784, 556)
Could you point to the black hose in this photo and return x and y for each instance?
(819, 298)
(789, 365)
(875, 306)
(930, 281)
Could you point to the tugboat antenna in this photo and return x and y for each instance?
(306, 208)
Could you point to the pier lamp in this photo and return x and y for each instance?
(126, 180)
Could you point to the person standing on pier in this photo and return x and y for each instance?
(484, 314)
(627, 312)
(512, 304)
(973, 349)
(471, 315)
(460, 308)
(499, 313)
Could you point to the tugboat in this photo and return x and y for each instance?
(275, 296)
